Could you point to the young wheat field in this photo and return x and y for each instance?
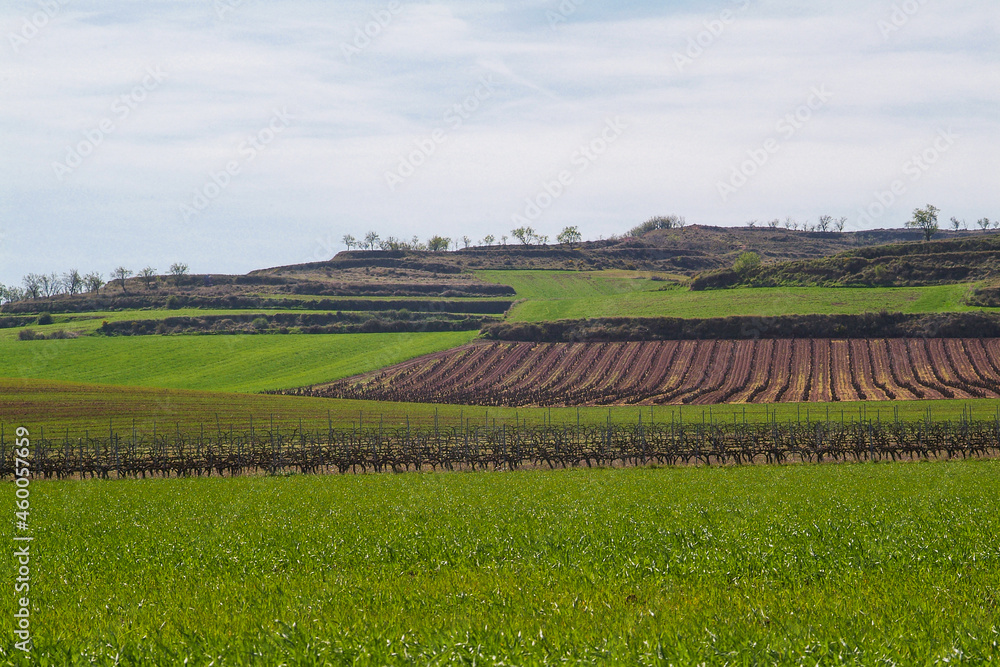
(798, 565)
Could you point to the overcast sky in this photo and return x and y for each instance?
(119, 121)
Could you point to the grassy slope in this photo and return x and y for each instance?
(541, 285)
(59, 408)
(88, 323)
(554, 295)
(218, 363)
(848, 564)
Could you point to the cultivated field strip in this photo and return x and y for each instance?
(687, 373)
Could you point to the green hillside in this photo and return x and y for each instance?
(967, 259)
(557, 295)
(217, 363)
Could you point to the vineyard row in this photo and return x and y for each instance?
(502, 447)
(687, 373)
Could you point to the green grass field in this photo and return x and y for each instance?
(88, 323)
(801, 565)
(557, 295)
(216, 363)
(542, 285)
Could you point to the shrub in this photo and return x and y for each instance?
(746, 262)
(659, 222)
(29, 334)
(173, 302)
(260, 323)
(45, 318)
(881, 273)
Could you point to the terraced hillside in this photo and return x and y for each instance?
(688, 372)
(967, 258)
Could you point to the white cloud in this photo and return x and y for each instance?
(354, 118)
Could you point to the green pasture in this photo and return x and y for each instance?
(88, 323)
(802, 565)
(247, 363)
(544, 285)
(557, 295)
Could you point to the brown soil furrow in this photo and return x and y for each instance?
(800, 373)
(760, 376)
(868, 387)
(905, 369)
(781, 372)
(692, 372)
(744, 355)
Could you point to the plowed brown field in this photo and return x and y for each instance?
(687, 372)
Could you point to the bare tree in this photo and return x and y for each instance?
(839, 224)
(466, 241)
(489, 239)
(32, 285)
(148, 275)
(984, 223)
(94, 281)
(73, 282)
(10, 294)
(371, 240)
(503, 239)
(178, 270)
(121, 274)
(824, 223)
(50, 284)
(349, 241)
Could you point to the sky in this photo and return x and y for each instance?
(233, 135)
